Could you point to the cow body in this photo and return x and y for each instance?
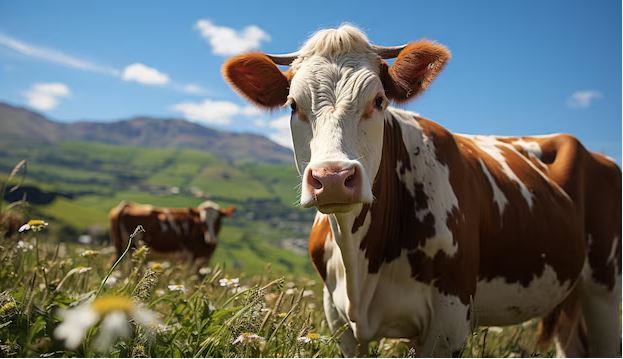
(169, 230)
(470, 230)
(424, 234)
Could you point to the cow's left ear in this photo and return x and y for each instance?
(227, 211)
(414, 69)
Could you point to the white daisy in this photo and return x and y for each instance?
(24, 246)
(229, 283)
(177, 288)
(113, 311)
(248, 338)
(34, 225)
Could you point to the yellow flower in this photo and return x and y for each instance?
(89, 253)
(34, 225)
(156, 267)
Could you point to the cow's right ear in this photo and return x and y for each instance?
(257, 78)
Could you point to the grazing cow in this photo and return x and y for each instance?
(424, 234)
(167, 230)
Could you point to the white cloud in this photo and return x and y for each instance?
(282, 134)
(226, 41)
(145, 75)
(213, 112)
(192, 89)
(583, 98)
(55, 56)
(46, 96)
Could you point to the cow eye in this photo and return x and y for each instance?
(379, 102)
(293, 106)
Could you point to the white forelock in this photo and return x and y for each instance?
(333, 42)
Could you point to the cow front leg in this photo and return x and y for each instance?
(447, 330)
(349, 346)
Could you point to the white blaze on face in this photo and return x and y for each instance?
(334, 85)
(209, 216)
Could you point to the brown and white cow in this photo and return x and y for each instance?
(423, 234)
(170, 230)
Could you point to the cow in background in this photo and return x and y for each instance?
(170, 230)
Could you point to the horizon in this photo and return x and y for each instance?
(559, 74)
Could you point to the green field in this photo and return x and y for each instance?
(85, 180)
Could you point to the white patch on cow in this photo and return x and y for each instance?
(490, 145)
(498, 196)
(434, 176)
(173, 224)
(498, 302)
(613, 250)
(163, 226)
(532, 148)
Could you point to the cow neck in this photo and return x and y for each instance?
(373, 234)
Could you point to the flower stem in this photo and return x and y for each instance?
(139, 230)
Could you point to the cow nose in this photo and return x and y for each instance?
(334, 184)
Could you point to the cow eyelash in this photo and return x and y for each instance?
(292, 104)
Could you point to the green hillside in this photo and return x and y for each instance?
(73, 185)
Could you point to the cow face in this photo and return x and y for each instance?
(211, 215)
(338, 89)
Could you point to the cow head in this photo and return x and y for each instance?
(338, 87)
(211, 215)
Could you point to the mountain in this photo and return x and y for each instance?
(18, 124)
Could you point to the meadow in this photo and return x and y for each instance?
(213, 311)
(255, 299)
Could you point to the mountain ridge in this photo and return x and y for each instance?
(19, 124)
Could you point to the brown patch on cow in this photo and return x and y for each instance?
(395, 227)
(558, 227)
(319, 233)
(257, 78)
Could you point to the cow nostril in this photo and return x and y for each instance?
(350, 181)
(314, 182)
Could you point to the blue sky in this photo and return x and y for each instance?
(518, 67)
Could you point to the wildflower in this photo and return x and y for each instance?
(177, 288)
(156, 267)
(89, 253)
(140, 252)
(205, 270)
(229, 283)
(8, 309)
(24, 246)
(112, 311)
(309, 338)
(308, 293)
(34, 225)
(248, 338)
(289, 291)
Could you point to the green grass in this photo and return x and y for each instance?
(39, 278)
